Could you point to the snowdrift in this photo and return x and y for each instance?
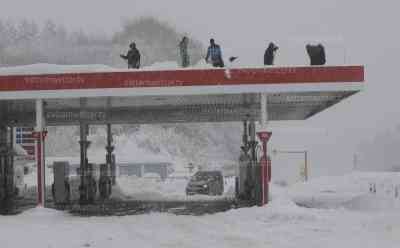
(43, 68)
(280, 224)
(352, 191)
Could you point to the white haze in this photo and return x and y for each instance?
(362, 32)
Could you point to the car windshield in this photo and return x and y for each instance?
(205, 175)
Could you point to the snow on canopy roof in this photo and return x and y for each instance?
(158, 95)
(37, 69)
(45, 69)
(48, 69)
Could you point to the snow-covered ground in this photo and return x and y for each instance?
(280, 224)
(352, 191)
(170, 189)
(149, 187)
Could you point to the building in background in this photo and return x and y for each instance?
(23, 137)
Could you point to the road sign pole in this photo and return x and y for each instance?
(305, 166)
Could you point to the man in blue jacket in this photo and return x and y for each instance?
(214, 53)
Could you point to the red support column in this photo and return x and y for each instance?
(265, 166)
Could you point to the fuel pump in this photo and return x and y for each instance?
(107, 170)
(91, 184)
(61, 187)
(254, 169)
(105, 183)
(246, 182)
(87, 187)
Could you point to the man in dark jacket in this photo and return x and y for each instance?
(316, 54)
(214, 53)
(133, 57)
(269, 54)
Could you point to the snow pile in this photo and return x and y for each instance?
(151, 189)
(373, 203)
(353, 191)
(281, 224)
(171, 189)
(202, 64)
(166, 65)
(43, 68)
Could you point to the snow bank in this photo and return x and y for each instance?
(280, 224)
(146, 188)
(35, 69)
(162, 65)
(43, 68)
(351, 191)
(373, 203)
(170, 189)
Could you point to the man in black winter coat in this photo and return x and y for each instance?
(316, 54)
(269, 54)
(133, 57)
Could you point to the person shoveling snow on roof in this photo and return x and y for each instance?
(214, 53)
(183, 50)
(316, 54)
(133, 57)
(269, 54)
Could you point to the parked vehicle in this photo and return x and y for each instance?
(206, 182)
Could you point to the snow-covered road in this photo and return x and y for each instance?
(281, 224)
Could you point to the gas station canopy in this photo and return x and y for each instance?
(173, 96)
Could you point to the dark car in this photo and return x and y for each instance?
(206, 182)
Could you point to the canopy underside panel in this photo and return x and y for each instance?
(170, 109)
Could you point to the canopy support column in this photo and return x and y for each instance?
(6, 169)
(39, 135)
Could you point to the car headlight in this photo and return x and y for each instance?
(205, 186)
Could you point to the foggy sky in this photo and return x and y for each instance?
(367, 31)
